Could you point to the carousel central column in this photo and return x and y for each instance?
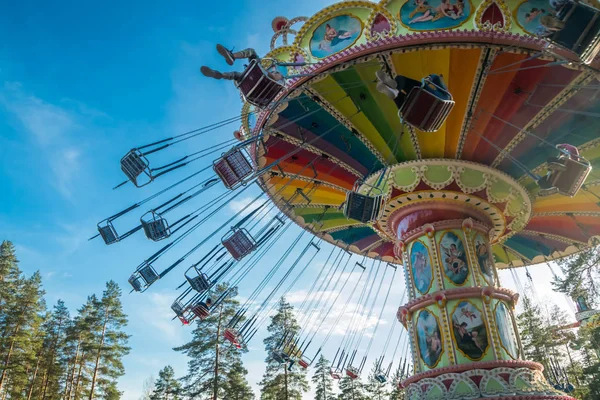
(462, 326)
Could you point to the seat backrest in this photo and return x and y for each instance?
(257, 87)
(569, 181)
(108, 233)
(149, 274)
(424, 110)
(239, 244)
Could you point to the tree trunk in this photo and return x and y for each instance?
(76, 393)
(95, 375)
(216, 378)
(285, 380)
(70, 379)
(7, 359)
(35, 371)
(324, 385)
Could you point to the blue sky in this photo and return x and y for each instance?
(80, 84)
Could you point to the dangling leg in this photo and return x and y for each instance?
(211, 73)
(230, 56)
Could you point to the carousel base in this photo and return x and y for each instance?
(499, 380)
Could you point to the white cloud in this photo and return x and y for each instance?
(51, 128)
(158, 314)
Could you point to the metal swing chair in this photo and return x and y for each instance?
(135, 165)
(567, 174)
(257, 87)
(145, 276)
(363, 207)
(336, 373)
(239, 242)
(234, 337)
(156, 227)
(234, 166)
(425, 110)
(352, 372)
(581, 31)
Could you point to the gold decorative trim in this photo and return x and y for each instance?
(485, 26)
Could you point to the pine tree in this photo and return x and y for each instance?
(278, 382)
(18, 332)
(322, 380)
(79, 350)
(166, 386)
(147, 388)
(236, 385)
(397, 392)
(211, 356)
(533, 333)
(377, 390)
(9, 277)
(53, 357)
(110, 342)
(581, 275)
(352, 389)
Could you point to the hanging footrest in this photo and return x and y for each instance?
(134, 165)
(352, 373)
(239, 243)
(143, 278)
(156, 228)
(581, 31)
(362, 207)
(424, 110)
(233, 167)
(108, 232)
(257, 87)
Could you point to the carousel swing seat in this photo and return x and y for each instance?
(352, 373)
(199, 283)
(108, 233)
(233, 337)
(381, 378)
(257, 87)
(581, 31)
(239, 243)
(335, 374)
(157, 228)
(304, 363)
(567, 177)
(200, 310)
(143, 278)
(362, 207)
(133, 165)
(425, 110)
(233, 167)
(280, 357)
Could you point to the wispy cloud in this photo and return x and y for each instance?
(51, 128)
(158, 315)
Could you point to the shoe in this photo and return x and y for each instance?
(227, 54)
(211, 73)
(388, 91)
(547, 192)
(385, 79)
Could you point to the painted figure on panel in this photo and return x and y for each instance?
(429, 337)
(506, 330)
(531, 13)
(434, 14)
(470, 331)
(454, 258)
(334, 35)
(484, 259)
(421, 266)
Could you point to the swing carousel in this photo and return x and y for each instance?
(485, 162)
